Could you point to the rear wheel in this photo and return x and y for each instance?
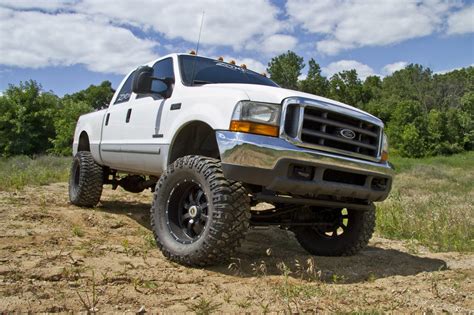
(85, 180)
(198, 217)
(347, 231)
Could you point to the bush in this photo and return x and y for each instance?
(26, 119)
(65, 123)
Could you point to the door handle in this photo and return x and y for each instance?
(129, 113)
(107, 119)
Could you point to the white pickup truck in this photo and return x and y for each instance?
(213, 139)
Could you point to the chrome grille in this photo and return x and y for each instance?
(332, 131)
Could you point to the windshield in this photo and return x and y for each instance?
(208, 71)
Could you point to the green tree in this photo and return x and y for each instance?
(315, 83)
(285, 69)
(467, 119)
(450, 87)
(412, 143)
(97, 96)
(65, 123)
(403, 114)
(26, 119)
(346, 87)
(412, 83)
(372, 88)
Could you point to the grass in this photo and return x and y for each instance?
(77, 231)
(431, 203)
(20, 171)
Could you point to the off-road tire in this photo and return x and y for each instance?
(361, 225)
(85, 180)
(228, 213)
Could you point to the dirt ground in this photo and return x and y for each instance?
(58, 257)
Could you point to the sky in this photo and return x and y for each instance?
(66, 45)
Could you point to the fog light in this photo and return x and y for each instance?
(302, 172)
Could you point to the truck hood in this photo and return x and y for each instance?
(276, 95)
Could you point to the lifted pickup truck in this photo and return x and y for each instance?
(213, 139)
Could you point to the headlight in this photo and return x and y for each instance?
(255, 117)
(384, 156)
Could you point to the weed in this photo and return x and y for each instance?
(265, 307)
(338, 278)
(244, 303)
(371, 277)
(149, 240)
(204, 306)
(91, 302)
(227, 297)
(293, 293)
(77, 231)
(129, 251)
(259, 269)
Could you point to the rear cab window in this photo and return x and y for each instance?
(125, 91)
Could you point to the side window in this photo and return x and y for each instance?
(125, 91)
(162, 69)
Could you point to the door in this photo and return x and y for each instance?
(113, 126)
(143, 149)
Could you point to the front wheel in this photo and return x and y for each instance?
(198, 216)
(347, 232)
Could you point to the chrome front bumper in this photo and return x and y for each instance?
(270, 161)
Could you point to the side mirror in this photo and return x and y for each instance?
(142, 80)
(144, 83)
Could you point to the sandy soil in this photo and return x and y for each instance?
(57, 257)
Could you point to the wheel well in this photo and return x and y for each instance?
(196, 138)
(84, 144)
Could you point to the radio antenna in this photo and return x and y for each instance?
(200, 31)
(197, 50)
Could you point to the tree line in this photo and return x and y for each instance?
(425, 113)
(34, 121)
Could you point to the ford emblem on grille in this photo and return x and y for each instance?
(347, 133)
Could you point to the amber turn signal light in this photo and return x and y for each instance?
(384, 156)
(251, 127)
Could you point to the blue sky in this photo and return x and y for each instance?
(66, 45)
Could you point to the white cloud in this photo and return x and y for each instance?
(228, 23)
(452, 69)
(277, 44)
(461, 22)
(47, 5)
(35, 39)
(96, 32)
(392, 67)
(350, 24)
(363, 70)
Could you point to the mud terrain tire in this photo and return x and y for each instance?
(355, 236)
(85, 180)
(198, 217)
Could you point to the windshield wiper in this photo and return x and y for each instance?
(201, 82)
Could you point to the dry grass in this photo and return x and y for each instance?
(432, 203)
(20, 171)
